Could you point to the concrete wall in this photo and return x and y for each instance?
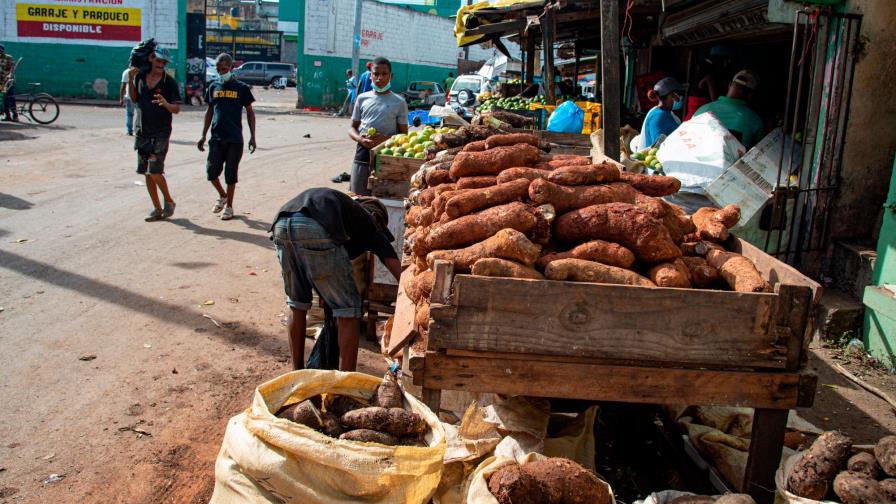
(78, 64)
(871, 133)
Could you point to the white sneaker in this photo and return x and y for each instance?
(228, 213)
(219, 205)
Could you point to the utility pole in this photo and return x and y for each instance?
(356, 40)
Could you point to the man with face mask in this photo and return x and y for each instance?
(226, 99)
(378, 114)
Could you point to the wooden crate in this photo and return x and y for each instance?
(392, 167)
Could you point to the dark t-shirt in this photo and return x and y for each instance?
(344, 219)
(153, 120)
(227, 99)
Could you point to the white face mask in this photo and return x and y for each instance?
(225, 76)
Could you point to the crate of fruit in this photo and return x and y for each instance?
(402, 155)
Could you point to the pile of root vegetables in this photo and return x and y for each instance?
(382, 420)
(502, 207)
(830, 470)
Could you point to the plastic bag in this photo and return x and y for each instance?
(325, 354)
(568, 118)
(266, 459)
(140, 55)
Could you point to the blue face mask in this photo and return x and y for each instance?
(676, 105)
(383, 89)
(225, 77)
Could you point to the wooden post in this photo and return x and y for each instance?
(766, 442)
(575, 77)
(530, 58)
(547, 76)
(609, 51)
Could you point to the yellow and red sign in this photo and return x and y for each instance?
(78, 22)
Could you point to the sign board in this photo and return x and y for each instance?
(95, 22)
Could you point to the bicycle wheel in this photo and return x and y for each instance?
(43, 109)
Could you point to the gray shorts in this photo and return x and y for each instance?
(151, 152)
(358, 182)
(310, 260)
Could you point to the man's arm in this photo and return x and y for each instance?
(356, 135)
(393, 265)
(209, 114)
(250, 118)
(121, 92)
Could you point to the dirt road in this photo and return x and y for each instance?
(106, 329)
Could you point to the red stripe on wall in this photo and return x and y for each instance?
(79, 31)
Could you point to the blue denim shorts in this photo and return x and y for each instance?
(309, 259)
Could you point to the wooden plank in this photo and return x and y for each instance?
(634, 384)
(547, 49)
(506, 26)
(695, 327)
(388, 188)
(772, 269)
(403, 326)
(432, 398)
(766, 442)
(610, 79)
(443, 274)
(791, 320)
(382, 293)
(397, 168)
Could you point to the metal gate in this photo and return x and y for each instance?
(822, 66)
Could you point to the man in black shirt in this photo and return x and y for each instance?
(157, 97)
(317, 234)
(226, 99)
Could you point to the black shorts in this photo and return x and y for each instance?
(224, 156)
(151, 152)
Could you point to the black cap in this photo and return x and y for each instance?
(669, 85)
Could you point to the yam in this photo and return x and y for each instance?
(712, 224)
(544, 217)
(476, 182)
(735, 499)
(340, 404)
(331, 425)
(700, 273)
(794, 440)
(370, 436)
(698, 248)
(505, 244)
(492, 161)
(611, 254)
(511, 139)
(812, 475)
(566, 482)
(429, 194)
(420, 286)
(854, 488)
(478, 199)
(652, 185)
(739, 272)
(677, 221)
(476, 227)
(495, 267)
(693, 499)
(885, 452)
(520, 172)
(420, 244)
(889, 487)
(419, 216)
(388, 393)
(437, 177)
(305, 413)
(395, 421)
(671, 274)
(568, 160)
(449, 140)
(864, 464)
(438, 204)
(477, 146)
(621, 223)
(422, 318)
(576, 175)
(510, 485)
(566, 198)
(578, 270)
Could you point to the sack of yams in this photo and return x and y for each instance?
(832, 470)
(382, 420)
(502, 207)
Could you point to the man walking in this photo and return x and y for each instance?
(380, 112)
(125, 101)
(156, 97)
(226, 99)
(449, 81)
(351, 88)
(316, 235)
(8, 85)
(364, 85)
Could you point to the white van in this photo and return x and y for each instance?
(462, 96)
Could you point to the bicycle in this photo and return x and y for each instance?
(39, 107)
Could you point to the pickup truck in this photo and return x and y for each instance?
(425, 93)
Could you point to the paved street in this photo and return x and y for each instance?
(126, 345)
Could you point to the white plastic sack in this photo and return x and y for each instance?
(698, 151)
(782, 496)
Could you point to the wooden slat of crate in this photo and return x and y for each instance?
(397, 189)
(403, 326)
(397, 168)
(634, 384)
(609, 321)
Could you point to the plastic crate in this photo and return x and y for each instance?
(424, 117)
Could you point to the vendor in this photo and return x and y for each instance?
(316, 235)
(667, 93)
(733, 112)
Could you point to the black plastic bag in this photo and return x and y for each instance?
(140, 55)
(325, 354)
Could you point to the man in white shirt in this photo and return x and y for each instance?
(125, 101)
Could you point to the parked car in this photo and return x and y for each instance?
(265, 73)
(462, 96)
(427, 92)
(211, 72)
